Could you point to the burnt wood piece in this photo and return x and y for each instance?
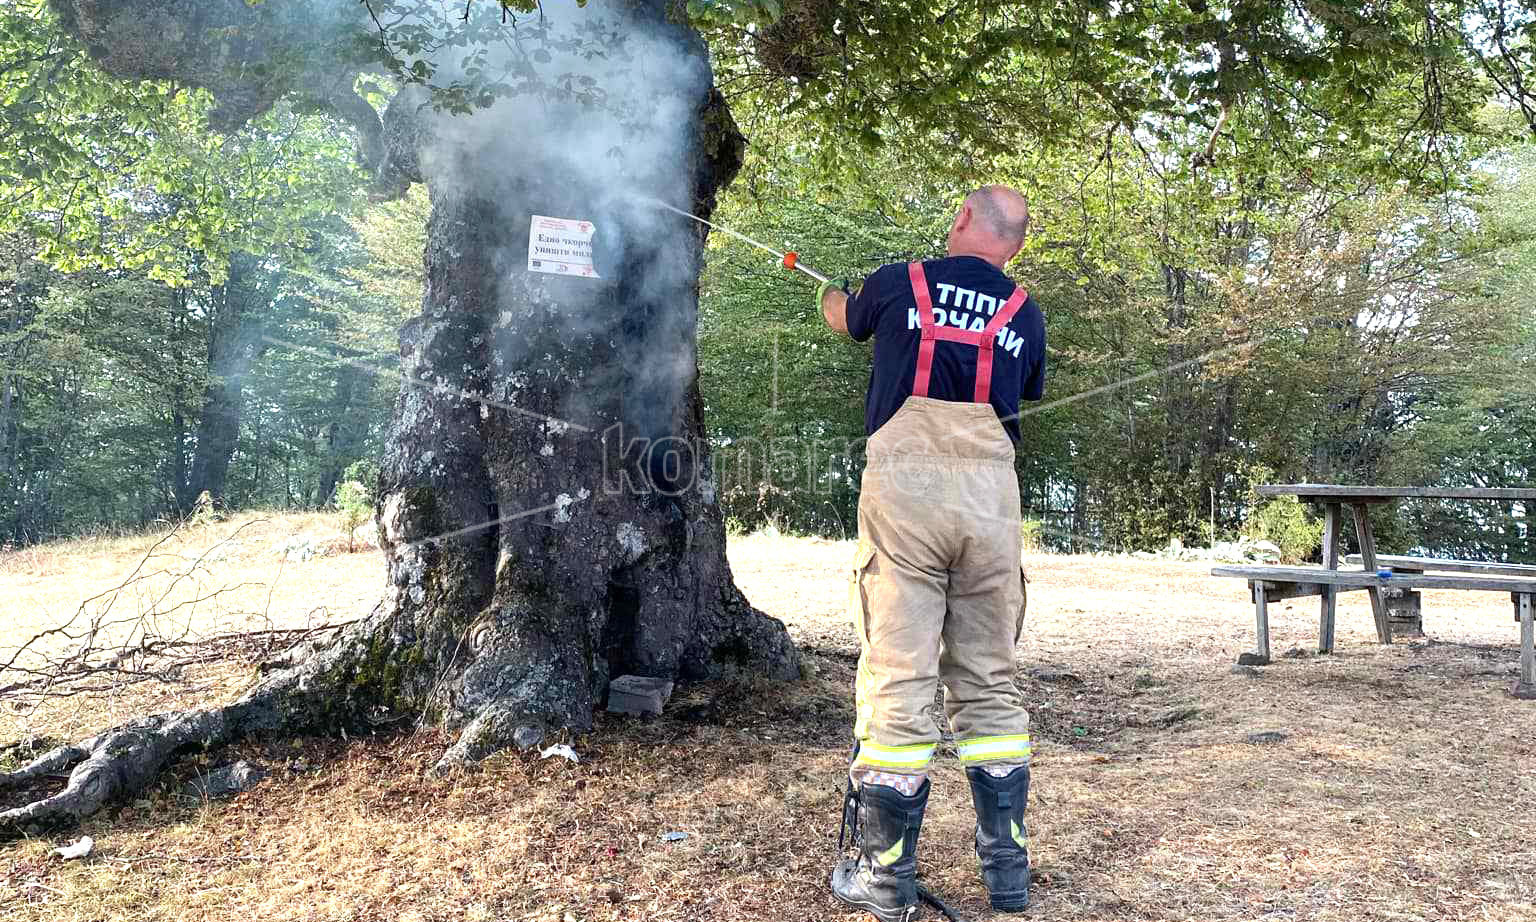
(633, 694)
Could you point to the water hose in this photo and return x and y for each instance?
(926, 895)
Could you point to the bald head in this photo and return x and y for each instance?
(991, 224)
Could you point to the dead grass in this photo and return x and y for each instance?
(1399, 788)
(202, 581)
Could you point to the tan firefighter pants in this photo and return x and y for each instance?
(938, 591)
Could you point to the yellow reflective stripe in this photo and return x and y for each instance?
(994, 747)
(972, 740)
(895, 756)
(891, 855)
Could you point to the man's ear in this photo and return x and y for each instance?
(963, 216)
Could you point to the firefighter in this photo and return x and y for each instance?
(938, 591)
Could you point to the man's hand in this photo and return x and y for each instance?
(833, 301)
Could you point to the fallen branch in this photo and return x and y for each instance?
(114, 765)
(185, 859)
(169, 658)
(107, 651)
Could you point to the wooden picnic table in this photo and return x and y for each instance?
(1334, 497)
(1270, 583)
(1334, 493)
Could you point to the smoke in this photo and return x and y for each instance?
(573, 111)
(598, 127)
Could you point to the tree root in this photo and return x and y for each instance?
(352, 682)
(109, 767)
(312, 696)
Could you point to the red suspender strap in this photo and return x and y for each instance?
(925, 317)
(932, 333)
(989, 339)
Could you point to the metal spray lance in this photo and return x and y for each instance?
(790, 259)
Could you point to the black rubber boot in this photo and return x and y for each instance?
(1000, 834)
(882, 880)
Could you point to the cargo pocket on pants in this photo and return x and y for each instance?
(1018, 628)
(858, 610)
(858, 600)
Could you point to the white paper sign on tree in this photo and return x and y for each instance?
(561, 246)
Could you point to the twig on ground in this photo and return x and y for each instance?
(185, 859)
(157, 643)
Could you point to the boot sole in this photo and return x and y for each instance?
(904, 914)
(1010, 903)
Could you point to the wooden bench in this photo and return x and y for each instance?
(1331, 500)
(1405, 611)
(1432, 564)
(1270, 584)
(1393, 599)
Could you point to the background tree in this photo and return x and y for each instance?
(1172, 237)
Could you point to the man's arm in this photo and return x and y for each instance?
(854, 314)
(834, 307)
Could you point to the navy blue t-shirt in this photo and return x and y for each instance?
(964, 289)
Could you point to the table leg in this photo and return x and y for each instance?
(1368, 559)
(1261, 618)
(1526, 686)
(1332, 513)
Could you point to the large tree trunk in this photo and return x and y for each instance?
(546, 502)
(574, 556)
(558, 440)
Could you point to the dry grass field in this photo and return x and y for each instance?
(1393, 783)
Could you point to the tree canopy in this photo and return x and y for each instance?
(1310, 212)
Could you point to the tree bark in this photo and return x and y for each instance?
(559, 446)
(21, 294)
(218, 431)
(7, 426)
(547, 508)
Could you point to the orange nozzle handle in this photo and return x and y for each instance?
(790, 259)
